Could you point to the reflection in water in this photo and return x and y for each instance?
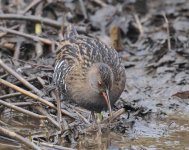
(174, 141)
(176, 137)
(169, 133)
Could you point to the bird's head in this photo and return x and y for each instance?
(101, 80)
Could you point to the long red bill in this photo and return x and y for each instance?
(106, 97)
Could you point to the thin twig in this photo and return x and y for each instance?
(33, 64)
(168, 32)
(83, 118)
(55, 93)
(3, 123)
(56, 146)
(58, 101)
(31, 18)
(18, 44)
(100, 2)
(10, 95)
(20, 78)
(59, 116)
(35, 38)
(32, 4)
(44, 112)
(29, 79)
(105, 122)
(21, 29)
(83, 9)
(41, 81)
(13, 27)
(19, 138)
(38, 30)
(27, 93)
(25, 103)
(139, 24)
(114, 115)
(47, 21)
(81, 109)
(4, 75)
(22, 110)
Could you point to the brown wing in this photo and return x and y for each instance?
(83, 51)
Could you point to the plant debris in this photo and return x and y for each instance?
(151, 37)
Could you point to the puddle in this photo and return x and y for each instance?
(170, 133)
(175, 136)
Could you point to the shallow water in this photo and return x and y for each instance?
(170, 133)
(175, 136)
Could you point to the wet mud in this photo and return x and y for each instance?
(151, 38)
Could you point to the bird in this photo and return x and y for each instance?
(88, 72)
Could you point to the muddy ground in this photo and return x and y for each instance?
(150, 36)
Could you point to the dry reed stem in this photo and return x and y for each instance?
(56, 146)
(106, 122)
(27, 93)
(29, 113)
(10, 95)
(32, 4)
(47, 21)
(43, 20)
(114, 115)
(139, 24)
(20, 78)
(34, 38)
(52, 120)
(19, 138)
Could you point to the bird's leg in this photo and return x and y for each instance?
(98, 138)
(92, 115)
(98, 120)
(93, 118)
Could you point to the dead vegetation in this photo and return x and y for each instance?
(150, 36)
